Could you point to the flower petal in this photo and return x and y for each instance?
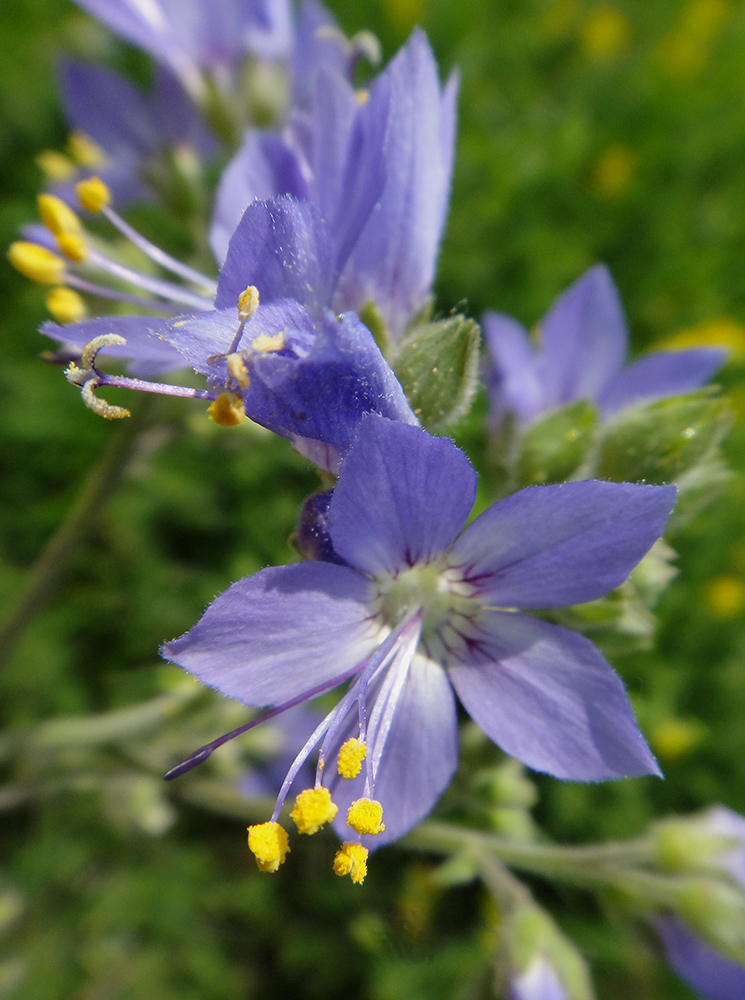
(282, 633)
(265, 166)
(661, 374)
(584, 339)
(283, 247)
(547, 697)
(512, 375)
(700, 966)
(419, 758)
(401, 499)
(551, 546)
(146, 350)
(394, 261)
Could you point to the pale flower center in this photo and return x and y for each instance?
(449, 605)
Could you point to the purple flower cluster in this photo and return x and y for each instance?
(339, 210)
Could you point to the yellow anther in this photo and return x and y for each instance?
(237, 370)
(362, 95)
(92, 348)
(72, 246)
(65, 305)
(92, 194)
(228, 409)
(269, 844)
(248, 303)
(313, 809)
(268, 344)
(351, 859)
(85, 150)
(351, 755)
(365, 816)
(56, 215)
(36, 262)
(55, 166)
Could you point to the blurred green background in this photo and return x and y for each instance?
(588, 131)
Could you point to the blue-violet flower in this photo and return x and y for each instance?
(413, 612)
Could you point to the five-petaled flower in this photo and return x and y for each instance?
(412, 611)
(583, 343)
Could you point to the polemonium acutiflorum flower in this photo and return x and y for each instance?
(415, 613)
(198, 38)
(580, 354)
(321, 153)
(125, 135)
(270, 351)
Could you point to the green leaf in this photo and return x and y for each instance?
(662, 441)
(437, 366)
(553, 447)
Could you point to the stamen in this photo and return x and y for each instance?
(65, 305)
(267, 345)
(156, 254)
(313, 809)
(73, 246)
(351, 859)
(365, 816)
(237, 370)
(92, 194)
(36, 262)
(269, 844)
(165, 289)
(103, 292)
(228, 409)
(351, 756)
(55, 165)
(56, 215)
(248, 303)
(85, 150)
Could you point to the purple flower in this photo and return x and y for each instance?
(192, 36)
(420, 612)
(583, 344)
(310, 379)
(131, 129)
(398, 153)
(701, 966)
(538, 982)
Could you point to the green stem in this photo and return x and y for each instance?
(592, 866)
(97, 730)
(50, 567)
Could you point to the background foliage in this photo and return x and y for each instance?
(589, 131)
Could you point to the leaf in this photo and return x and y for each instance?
(662, 441)
(437, 366)
(554, 446)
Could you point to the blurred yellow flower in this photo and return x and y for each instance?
(613, 171)
(605, 33)
(404, 13)
(721, 332)
(685, 49)
(675, 738)
(724, 597)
